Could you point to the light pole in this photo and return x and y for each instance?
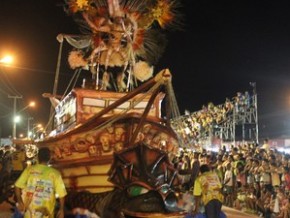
(14, 114)
(253, 84)
(31, 104)
(16, 118)
(28, 126)
(6, 61)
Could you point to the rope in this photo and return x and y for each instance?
(121, 115)
(75, 78)
(173, 105)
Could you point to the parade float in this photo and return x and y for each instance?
(110, 138)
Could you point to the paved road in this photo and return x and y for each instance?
(231, 213)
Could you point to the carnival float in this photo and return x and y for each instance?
(109, 137)
(113, 137)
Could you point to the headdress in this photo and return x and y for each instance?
(120, 33)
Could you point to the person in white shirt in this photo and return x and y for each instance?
(228, 185)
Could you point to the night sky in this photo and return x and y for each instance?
(224, 45)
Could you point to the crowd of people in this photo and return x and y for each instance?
(198, 124)
(12, 163)
(254, 179)
(251, 178)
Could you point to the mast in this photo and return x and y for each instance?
(56, 79)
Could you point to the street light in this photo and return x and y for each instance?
(14, 114)
(31, 104)
(16, 118)
(6, 60)
(28, 126)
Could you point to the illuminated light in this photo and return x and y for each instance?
(17, 119)
(6, 60)
(39, 125)
(287, 150)
(32, 104)
(213, 149)
(284, 150)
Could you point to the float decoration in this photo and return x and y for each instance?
(121, 39)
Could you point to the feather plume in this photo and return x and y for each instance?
(76, 60)
(142, 71)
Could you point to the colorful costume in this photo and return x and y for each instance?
(41, 185)
(208, 186)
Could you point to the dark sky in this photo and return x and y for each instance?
(224, 46)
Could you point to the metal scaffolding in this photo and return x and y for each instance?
(242, 123)
(238, 121)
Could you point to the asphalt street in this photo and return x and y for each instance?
(5, 212)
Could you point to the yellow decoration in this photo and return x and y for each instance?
(162, 13)
(82, 4)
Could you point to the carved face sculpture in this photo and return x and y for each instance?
(90, 139)
(119, 146)
(81, 145)
(110, 130)
(66, 148)
(93, 150)
(119, 131)
(105, 142)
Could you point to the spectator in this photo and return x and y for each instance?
(265, 179)
(266, 145)
(18, 161)
(5, 172)
(195, 169)
(207, 187)
(275, 175)
(40, 184)
(228, 186)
